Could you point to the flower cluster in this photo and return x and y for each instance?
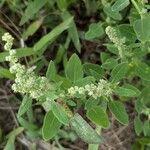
(103, 88)
(26, 81)
(119, 42)
(9, 41)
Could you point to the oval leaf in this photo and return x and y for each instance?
(119, 72)
(126, 92)
(118, 110)
(84, 130)
(141, 27)
(138, 125)
(59, 113)
(74, 69)
(25, 105)
(120, 5)
(50, 126)
(95, 31)
(98, 116)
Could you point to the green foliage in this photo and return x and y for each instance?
(98, 116)
(11, 138)
(74, 69)
(118, 110)
(60, 113)
(50, 37)
(84, 130)
(138, 125)
(120, 5)
(51, 126)
(30, 12)
(141, 26)
(91, 57)
(95, 31)
(25, 105)
(119, 72)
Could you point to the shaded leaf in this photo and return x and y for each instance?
(50, 126)
(33, 27)
(138, 125)
(73, 32)
(25, 105)
(59, 113)
(32, 8)
(48, 38)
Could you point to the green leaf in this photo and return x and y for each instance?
(138, 125)
(118, 110)
(51, 71)
(60, 54)
(33, 27)
(144, 140)
(127, 31)
(84, 81)
(143, 71)
(111, 48)
(59, 113)
(84, 130)
(20, 52)
(112, 14)
(122, 91)
(74, 69)
(104, 56)
(16, 132)
(110, 63)
(11, 138)
(26, 124)
(5, 73)
(73, 32)
(62, 4)
(93, 70)
(31, 10)
(10, 143)
(119, 72)
(146, 127)
(50, 126)
(139, 106)
(95, 31)
(141, 27)
(48, 38)
(91, 102)
(98, 116)
(133, 88)
(120, 5)
(25, 105)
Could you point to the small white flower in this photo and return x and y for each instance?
(81, 90)
(9, 41)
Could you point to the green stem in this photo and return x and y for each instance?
(136, 6)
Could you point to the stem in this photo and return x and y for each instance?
(136, 6)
